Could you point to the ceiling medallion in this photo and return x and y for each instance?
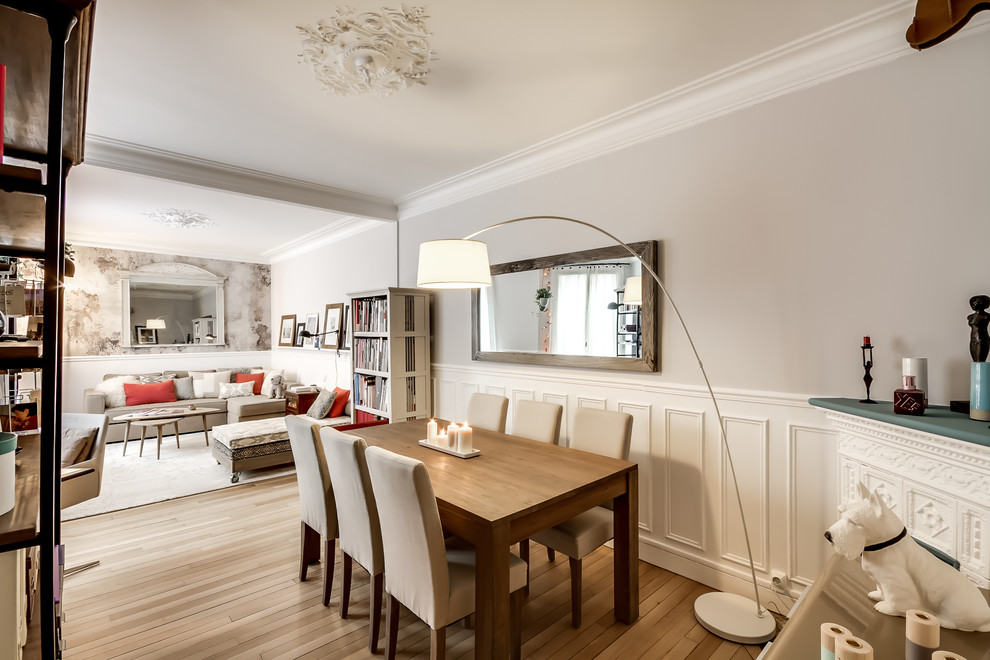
(181, 218)
(374, 52)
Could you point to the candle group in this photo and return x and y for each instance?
(458, 438)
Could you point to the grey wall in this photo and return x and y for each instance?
(93, 303)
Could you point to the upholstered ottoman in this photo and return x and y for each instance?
(257, 444)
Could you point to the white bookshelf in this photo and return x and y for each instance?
(390, 354)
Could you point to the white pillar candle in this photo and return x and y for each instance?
(440, 439)
(464, 439)
(452, 431)
(431, 431)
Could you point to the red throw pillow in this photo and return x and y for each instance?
(152, 393)
(257, 379)
(337, 409)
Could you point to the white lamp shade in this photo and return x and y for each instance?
(634, 291)
(454, 264)
(155, 324)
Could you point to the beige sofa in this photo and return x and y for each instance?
(230, 411)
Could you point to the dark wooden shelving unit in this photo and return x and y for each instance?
(45, 46)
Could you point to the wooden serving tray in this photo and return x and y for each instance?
(453, 452)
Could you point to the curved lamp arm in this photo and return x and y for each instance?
(760, 612)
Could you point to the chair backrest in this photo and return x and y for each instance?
(538, 420)
(317, 506)
(357, 513)
(77, 491)
(412, 538)
(487, 411)
(602, 432)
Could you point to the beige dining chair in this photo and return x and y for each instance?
(487, 411)
(85, 478)
(434, 582)
(357, 518)
(318, 509)
(606, 433)
(538, 420)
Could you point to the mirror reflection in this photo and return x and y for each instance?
(169, 304)
(574, 309)
(163, 313)
(569, 310)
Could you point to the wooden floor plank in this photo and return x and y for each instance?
(214, 576)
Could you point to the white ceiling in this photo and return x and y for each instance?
(217, 85)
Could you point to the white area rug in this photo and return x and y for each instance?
(133, 480)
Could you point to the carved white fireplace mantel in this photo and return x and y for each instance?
(933, 471)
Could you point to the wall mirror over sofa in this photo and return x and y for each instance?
(567, 310)
(170, 304)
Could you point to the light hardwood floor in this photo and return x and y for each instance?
(216, 576)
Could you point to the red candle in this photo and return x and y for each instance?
(866, 341)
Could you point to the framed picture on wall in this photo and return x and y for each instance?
(145, 335)
(333, 322)
(299, 338)
(345, 334)
(312, 327)
(287, 331)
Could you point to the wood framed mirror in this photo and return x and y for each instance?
(582, 323)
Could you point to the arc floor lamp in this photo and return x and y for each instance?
(463, 264)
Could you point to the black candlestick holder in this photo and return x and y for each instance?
(867, 365)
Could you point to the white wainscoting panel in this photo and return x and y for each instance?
(446, 402)
(808, 449)
(749, 440)
(689, 521)
(641, 453)
(685, 511)
(464, 392)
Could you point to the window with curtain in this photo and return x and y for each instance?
(581, 295)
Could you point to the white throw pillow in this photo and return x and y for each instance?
(266, 386)
(197, 386)
(231, 390)
(212, 382)
(113, 390)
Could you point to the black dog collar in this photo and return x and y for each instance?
(886, 544)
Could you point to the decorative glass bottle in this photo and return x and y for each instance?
(909, 400)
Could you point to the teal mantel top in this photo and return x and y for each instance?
(938, 420)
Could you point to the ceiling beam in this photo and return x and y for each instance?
(137, 159)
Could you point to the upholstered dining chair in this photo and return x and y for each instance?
(603, 432)
(487, 411)
(538, 420)
(434, 582)
(357, 518)
(318, 509)
(83, 480)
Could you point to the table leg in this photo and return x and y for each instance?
(206, 434)
(626, 553)
(127, 432)
(159, 427)
(492, 632)
(176, 425)
(144, 429)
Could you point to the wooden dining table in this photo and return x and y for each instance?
(517, 487)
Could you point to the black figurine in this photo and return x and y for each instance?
(867, 365)
(979, 340)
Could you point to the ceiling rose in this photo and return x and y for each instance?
(374, 52)
(181, 218)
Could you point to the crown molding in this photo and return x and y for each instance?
(138, 159)
(862, 42)
(110, 243)
(326, 235)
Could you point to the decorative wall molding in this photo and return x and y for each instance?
(560, 400)
(759, 528)
(593, 402)
(867, 40)
(794, 432)
(641, 453)
(167, 357)
(138, 159)
(330, 233)
(629, 382)
(672, 493)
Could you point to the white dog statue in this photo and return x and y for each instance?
(908, 576)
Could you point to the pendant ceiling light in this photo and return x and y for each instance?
(374, 52)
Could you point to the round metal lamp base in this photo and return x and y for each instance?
(734, 618)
